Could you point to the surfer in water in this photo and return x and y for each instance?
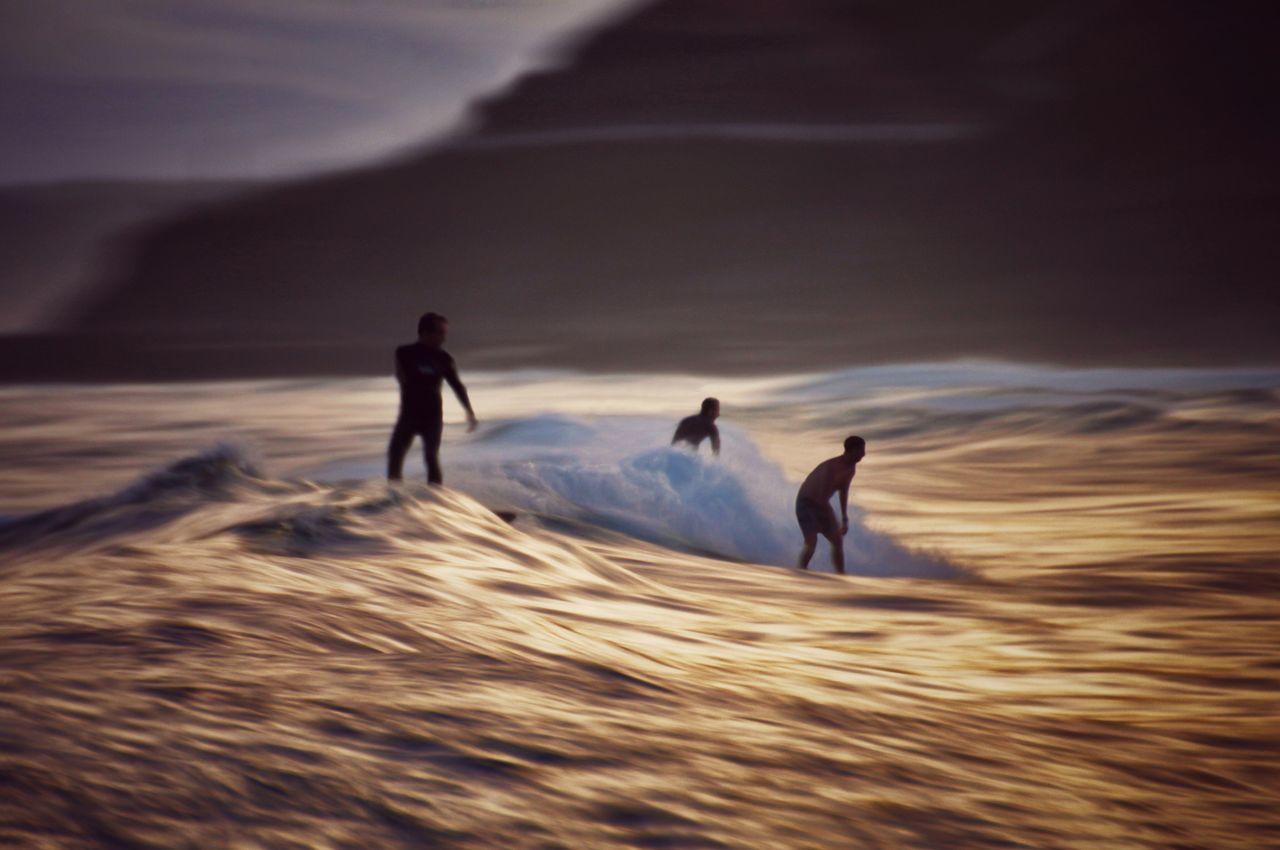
(698, 427)
(420, 367)
(813, 502)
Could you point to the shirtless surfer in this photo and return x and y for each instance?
(813, 502)
(420, 367)
(700, 426)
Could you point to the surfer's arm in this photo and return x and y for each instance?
(844, 507)
(451, 375)
(399, 369)
(681, 432)
(715, 440)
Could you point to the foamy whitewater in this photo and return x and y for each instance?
(620, 473)
(221, 628)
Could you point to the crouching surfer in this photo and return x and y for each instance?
(813, 502)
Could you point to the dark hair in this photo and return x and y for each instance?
(708, 403)
(430, 322)
(855, 444)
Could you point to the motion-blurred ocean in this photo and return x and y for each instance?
(222, 628)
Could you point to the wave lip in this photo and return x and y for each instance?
(154, 500)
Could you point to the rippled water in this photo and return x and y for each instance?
(263, 645)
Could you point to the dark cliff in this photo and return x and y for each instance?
(728, 185)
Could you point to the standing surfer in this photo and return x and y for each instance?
(813, 502)
(420, 367)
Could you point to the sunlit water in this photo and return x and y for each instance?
(1062, 631)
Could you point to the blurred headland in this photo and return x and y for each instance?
(59, 237)
(762, 187)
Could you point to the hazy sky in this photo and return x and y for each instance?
(252, 88)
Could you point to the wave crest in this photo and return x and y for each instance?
(575, 475)
(154, 500)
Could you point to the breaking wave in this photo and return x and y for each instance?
(616, 473)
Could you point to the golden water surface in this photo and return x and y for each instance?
(198, 653)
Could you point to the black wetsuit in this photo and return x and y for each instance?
(420, 369)
(696, 428)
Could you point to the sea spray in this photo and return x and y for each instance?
(618, 472)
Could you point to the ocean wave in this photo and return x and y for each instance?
(561, 473)
(617, 473)
(156, 499)
(212, 655)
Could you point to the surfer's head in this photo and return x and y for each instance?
(432, 328)
(711, 407)
(855, 448)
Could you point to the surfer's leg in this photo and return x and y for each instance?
(806, 552)
(401, 439)
(831, 531)
(809, 528)
(431, 451)
(837, 551)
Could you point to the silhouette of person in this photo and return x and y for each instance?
(813, 502)
(420, 367)
(698, 427)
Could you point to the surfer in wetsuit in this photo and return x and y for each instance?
(420, 367)
(813, 502)
(698, 427)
